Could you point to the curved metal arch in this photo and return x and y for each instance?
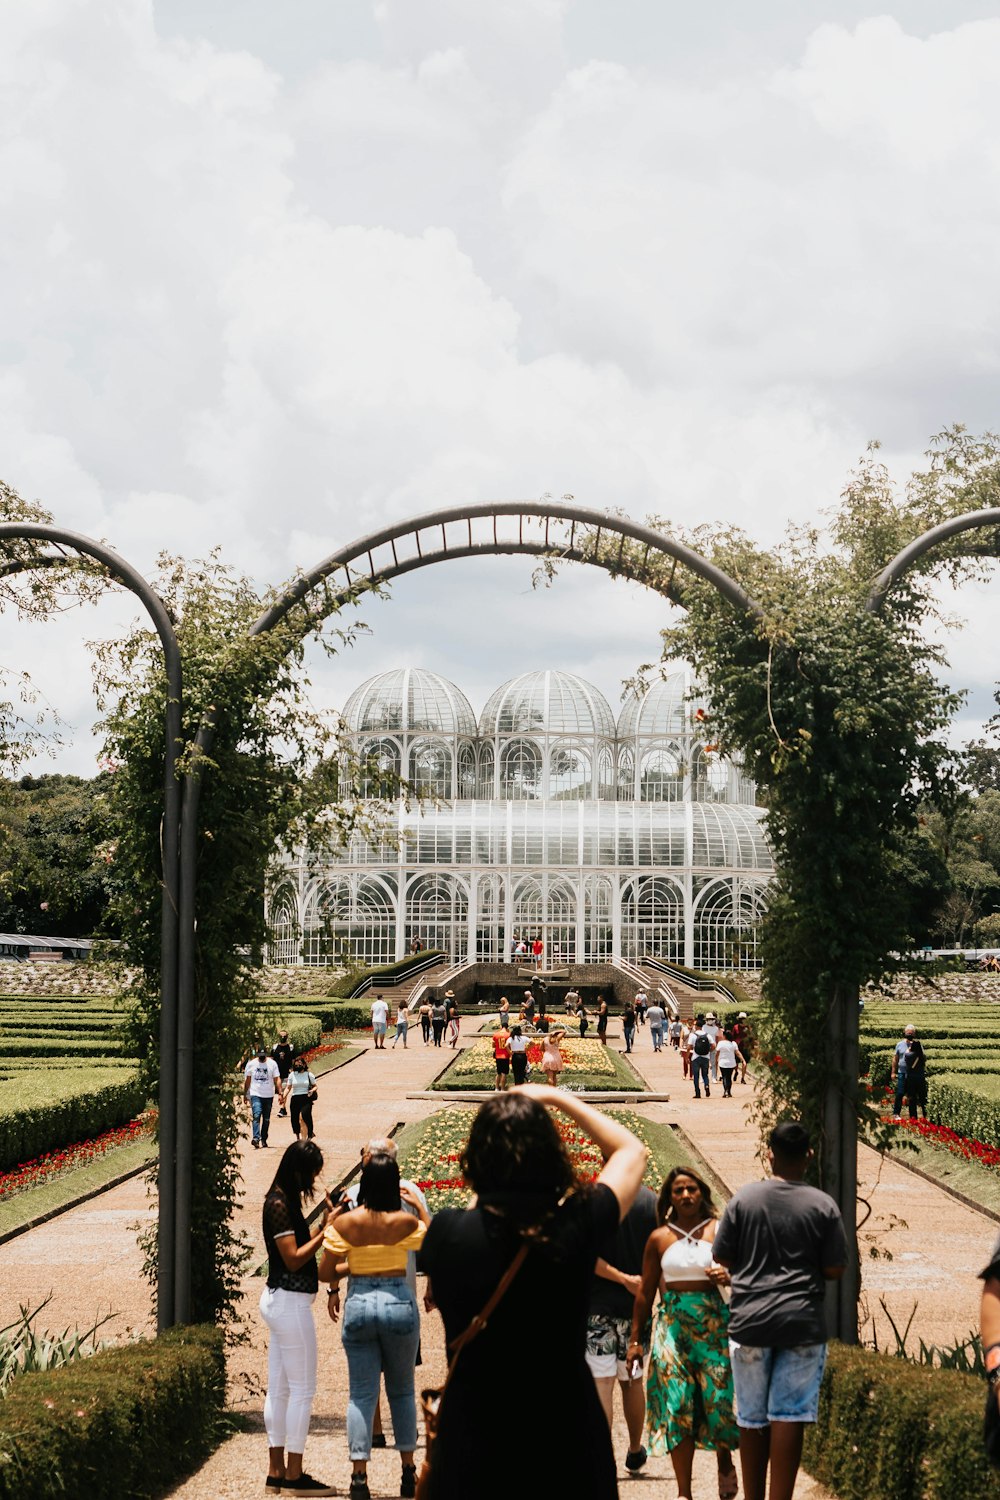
(580, 536)
(172, 1183)
(973, 521)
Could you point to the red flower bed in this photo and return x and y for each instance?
(322, 1049)
(29, 1174)
(943, 1135)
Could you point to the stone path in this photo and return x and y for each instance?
(89, 1260)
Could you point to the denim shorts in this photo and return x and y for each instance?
(776, 1385)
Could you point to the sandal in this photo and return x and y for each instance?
(729, 1483)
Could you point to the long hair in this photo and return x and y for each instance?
(296, 1177)
(379, 1185)
(664, 1203)
(516, 1163)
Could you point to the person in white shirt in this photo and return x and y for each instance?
(380, 1020)
(727, 1056)
(713, 1031)
(260, 1079)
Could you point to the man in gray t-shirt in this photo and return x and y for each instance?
(656, 1016)
(781, 1241)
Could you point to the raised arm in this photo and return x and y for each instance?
(624, 1154)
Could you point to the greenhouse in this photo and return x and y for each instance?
(545, 818)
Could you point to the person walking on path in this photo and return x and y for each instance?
(260, 1081)
(518, 1055)
(690, 1385)
(402, 1024)
(501, 1057)
(713, 1031)
(439, 1016)
(284, 1056)
(641, 1004)
(656, 1015)
(701, 1051)
(380, 1021)
(451, 1011)
(527, 1198)
(628, 1024)
(286, 1306)
(381, 1323)
(425, 1020)
(613, 1292)
(728, 1056)
(687, 1038)
(781, 1241)
(602, 1020)
(743, 1037)
(676, 1027)
(302, 1092)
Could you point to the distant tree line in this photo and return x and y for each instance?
(56, 856)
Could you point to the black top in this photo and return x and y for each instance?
(776, 1237)
(284, 1056)
(537, 1338)
(280, 1218)
(609, 1299)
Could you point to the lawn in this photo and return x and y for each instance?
(69, 1185)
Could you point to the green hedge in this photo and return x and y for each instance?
(30, 1126)
(60, 1046)
(128, 1421)
(889, 1429)
(347, 983)
(965, 1112)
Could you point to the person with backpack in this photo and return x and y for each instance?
(701, 1051)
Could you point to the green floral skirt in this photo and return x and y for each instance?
(689, 1389)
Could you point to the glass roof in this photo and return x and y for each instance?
(666, 707)
(548, 703)
(409, 701)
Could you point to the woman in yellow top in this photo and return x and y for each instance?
(381, 1323)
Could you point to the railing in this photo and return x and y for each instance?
(692, 981)
(391, 978)
(641, 982)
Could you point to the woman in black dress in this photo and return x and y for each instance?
(517, 1165)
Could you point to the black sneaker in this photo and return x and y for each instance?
(359, 1487)
(634, 1461)
(255, 1144)
(270, 1483)
(378, 1439)
(282, 1113)
(307, 1485)
(408, 1482)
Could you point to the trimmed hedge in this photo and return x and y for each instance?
(29, 1129)
(348, 983)
(61, 1046)
(888, 1428)
(127, 1421)
(965, 1112)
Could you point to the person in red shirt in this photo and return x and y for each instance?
(501, 1057)
(538, 949)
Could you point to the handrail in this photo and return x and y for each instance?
(717, 986)
(634, 973)
(419, 966)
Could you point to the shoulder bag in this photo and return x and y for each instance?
(430, 1400)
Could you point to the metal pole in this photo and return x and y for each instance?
(840, 1154)
(185, 1029)
(155, 608)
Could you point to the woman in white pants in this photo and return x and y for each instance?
(286, 1305)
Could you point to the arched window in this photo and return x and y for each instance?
(487, 780)
(626, 774)
(381, 767)
(597, 920)
(467, 770)
(559, 935)
(283, 927)
(709, 776)
(727, 920)
(521, 771)
(430, 768)
(437, 912)
(351, 920)
(569, 774)
(652, 919)
(489, 919)
(661, 775)
(528, 916)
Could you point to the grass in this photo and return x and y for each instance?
(72, 1184)
(969, 1178)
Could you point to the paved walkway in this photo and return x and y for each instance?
(89, 1260)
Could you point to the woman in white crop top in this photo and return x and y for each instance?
(689, 1388)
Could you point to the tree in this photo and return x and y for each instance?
(55, 855)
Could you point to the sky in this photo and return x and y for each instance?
(276, 276)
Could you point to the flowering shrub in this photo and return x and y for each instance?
(41, 1169)
(942, 1135)
(579, 1056)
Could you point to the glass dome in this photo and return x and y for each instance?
(666, 707)
(409, 701)
(548, 703)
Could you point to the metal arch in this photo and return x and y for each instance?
(973, 521)
(168, 1183)
(381, 551)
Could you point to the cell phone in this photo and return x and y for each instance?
(635, 1369)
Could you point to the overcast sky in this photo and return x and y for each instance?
(275, 275)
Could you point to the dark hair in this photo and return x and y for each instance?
(297, 1172)
(665, 1203)
(514, 1152)
(379, 1185)
(699, 1020)
(300, 1065)
(789, 1140)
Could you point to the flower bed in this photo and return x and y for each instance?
(29, 1174)
(579, 1056)
(943, 1135)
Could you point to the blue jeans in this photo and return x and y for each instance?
(261, 1111)
(699, 1073)
(656, 1032)
(629, 1037)
(776, 1385)
(381, 1333)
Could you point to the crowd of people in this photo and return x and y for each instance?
(628, 1290)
